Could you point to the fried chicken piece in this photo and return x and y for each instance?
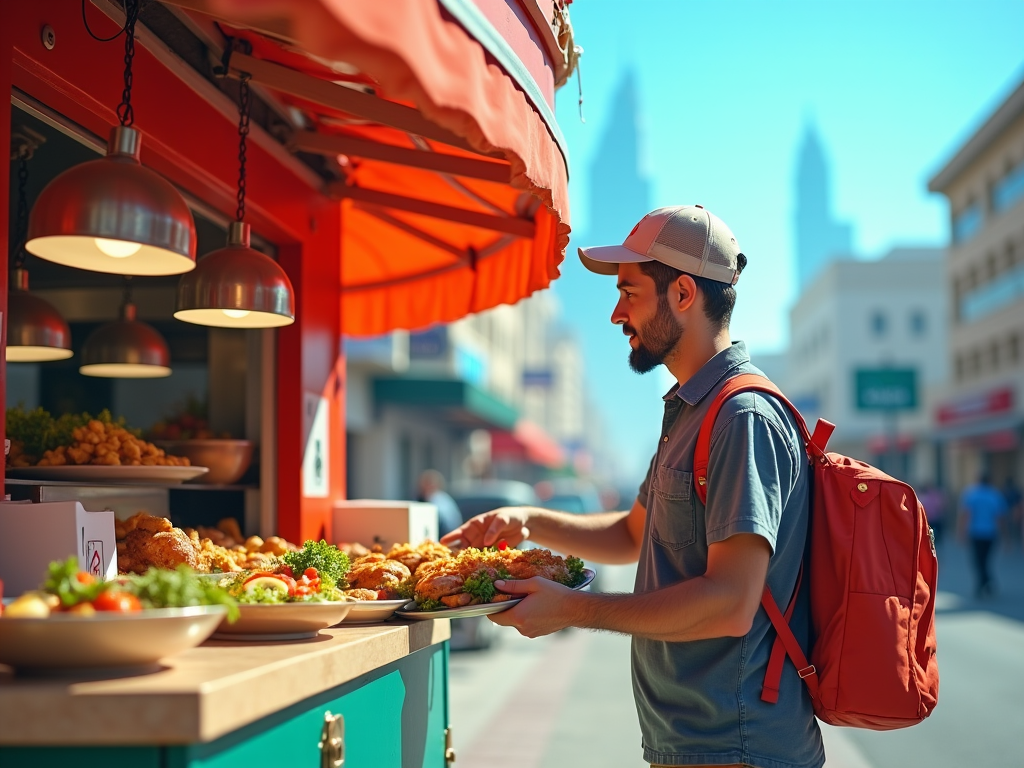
(166, 549)
(446, 578)
(457, 601)
(370, 573)
(412, 557)
(536, 562)
(361, 594)
(354, 550)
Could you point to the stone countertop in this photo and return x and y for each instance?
(204, 693)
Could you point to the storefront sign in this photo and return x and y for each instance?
(538, 378)
(976, 406)
(886, 389)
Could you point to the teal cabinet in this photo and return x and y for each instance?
(394, 717)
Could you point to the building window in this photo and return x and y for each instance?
(879, 324)
(993, 356)
(967, 223)
(918, 323)
(1009, 189)
(988, 299)
(1013, 349)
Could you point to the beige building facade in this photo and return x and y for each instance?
(980, 416)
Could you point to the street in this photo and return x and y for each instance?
(566, 700)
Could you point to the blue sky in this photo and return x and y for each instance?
(726, 88)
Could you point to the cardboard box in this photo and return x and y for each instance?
(370, 522)
(34, 535)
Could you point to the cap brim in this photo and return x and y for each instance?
(605, 259)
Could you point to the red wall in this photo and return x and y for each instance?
(191, 143)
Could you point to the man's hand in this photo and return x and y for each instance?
(486, 530)
(546, 608)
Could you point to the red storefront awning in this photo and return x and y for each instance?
(453, 175)
(527, 442)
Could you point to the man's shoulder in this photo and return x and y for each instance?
(758, 405)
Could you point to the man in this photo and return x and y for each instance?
(700, 641)
(982, 508)
(432, 490)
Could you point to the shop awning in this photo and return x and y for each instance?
(451, 168)
(527, 442)
(459, 402)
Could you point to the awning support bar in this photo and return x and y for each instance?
(330, 145)
(510, 225)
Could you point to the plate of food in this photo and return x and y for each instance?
(83, 448)
(292, 599)
(77, 624)
(463, 585)
(381, 582)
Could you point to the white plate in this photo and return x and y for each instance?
(66, 641)
(372, 611)
(283, 621)
(410, 611)
(94, 473)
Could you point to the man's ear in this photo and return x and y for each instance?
(683, 293)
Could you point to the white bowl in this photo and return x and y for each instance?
(283, 621)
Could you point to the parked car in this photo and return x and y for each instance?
(475, 497)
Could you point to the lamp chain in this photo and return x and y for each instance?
(244, 103)
(21, 226)
(125, 112)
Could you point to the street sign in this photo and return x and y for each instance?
(886, 389)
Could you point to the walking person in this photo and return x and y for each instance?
(982, 508)
(700, 642)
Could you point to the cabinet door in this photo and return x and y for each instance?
(393, 718)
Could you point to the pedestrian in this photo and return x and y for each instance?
(432, 490)
(982, 508)
(933, 498)
(700, 641)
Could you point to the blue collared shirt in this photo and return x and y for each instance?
(700, 702)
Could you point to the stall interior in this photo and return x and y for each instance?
(215, 386)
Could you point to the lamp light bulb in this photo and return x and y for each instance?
(118, 249)
(236, 314)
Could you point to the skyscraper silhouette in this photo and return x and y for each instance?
(619, 195)
(819, 236)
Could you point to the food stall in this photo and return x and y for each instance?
(371, 166)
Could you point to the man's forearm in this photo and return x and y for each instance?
(697, 609)
(603, 537)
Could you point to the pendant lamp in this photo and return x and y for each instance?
(126, 348)
(114, 215)
(237, 286)
(36, 332)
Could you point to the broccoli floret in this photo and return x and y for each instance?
(576, 576)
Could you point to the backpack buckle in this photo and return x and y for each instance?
(806, 671)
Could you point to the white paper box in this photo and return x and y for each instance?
(34, 535)
(369, 522)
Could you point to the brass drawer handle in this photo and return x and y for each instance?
(332, 741)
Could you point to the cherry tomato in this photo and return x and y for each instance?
(382, 594)
(85, 578)
(286, 570)
(118, 602)
(303, 591)
(311, 573)
(502, 545)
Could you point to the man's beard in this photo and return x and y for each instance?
(660, 336)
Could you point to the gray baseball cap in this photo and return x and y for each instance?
(686, 237)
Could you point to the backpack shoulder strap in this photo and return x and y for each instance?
(749, 382)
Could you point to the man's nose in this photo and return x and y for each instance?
(619, 316)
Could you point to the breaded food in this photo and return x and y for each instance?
(109, 444)
(165, 549)
(445, 580)
(412, 557)
(361, 594)
(375, 571)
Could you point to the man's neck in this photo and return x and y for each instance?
(691, 356)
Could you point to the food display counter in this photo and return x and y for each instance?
(241, 704)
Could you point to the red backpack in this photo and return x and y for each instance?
(872, 571)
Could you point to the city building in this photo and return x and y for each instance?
(982, 414)
(820, 237)
(868, 352)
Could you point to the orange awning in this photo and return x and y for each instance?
(452, 174)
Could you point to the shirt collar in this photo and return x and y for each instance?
(712, 372)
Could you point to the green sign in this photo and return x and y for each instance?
(886, 389)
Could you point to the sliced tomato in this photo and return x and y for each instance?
(311, 573)
(286, 570)
(382, 594)
(117, 602)
(85, 578)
